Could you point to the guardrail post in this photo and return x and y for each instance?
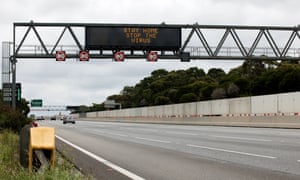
(24, 145)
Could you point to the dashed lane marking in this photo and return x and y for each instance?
(248, 139)
(180, 133)
(231, 151)
(153, 140)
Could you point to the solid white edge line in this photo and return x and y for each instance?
(104, 161)
(231, 151)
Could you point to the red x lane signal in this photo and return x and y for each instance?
(60, 55)
(119, 56)
(84, 56)
(152, 56)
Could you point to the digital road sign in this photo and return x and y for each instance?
(132, 38)
(7, 93)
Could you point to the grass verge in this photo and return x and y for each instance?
(10, 167)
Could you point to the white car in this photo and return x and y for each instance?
(68, 119)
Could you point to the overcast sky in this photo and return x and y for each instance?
(78, 83)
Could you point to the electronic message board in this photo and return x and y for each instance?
(7, 93)
(132, 38)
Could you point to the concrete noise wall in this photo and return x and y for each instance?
(285, 104)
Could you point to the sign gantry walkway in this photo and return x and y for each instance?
(54, 108)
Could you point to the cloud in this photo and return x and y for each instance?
(75, 83)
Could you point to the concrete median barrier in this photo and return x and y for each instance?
(245, 121)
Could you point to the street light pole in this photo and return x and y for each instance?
(13, 61)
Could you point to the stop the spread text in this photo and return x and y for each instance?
(140, 35)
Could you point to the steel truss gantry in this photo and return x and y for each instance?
(50, 108)
(55, 108)
(195, 46)
(200, 49)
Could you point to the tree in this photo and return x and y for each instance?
(83, 109)
(218, 93)
(158, 86)
(196, 73)
(216, 73)
(196, 86)
(189, 97)
(172, 94)
(14, 119)
(145, 97)
(233, 90)
(290, 81)
(258, 86)
(127, 90)
(97, 107)
(159, 73)
(253, 68)
(244, 85)
(207, 91)
(251, 78)
(161, 100)
(24, 107)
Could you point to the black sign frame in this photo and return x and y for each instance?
(7, 93)
(132, 38)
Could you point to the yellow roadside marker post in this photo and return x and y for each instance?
(42, 138)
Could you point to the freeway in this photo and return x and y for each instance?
(154, 151)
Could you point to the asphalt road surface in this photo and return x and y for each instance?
(153, 151)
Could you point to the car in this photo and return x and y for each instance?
(68, 119)
(40, 118)
(34, 124)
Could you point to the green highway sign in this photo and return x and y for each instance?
(36, 103)
(18, 94)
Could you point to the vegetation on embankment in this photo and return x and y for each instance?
(10, 167)
(14, 119)
(170, 87)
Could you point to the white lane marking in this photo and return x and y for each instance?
(116, 134)
(299, 160)
(154, 140)
(104, 161)
(249, 139)
(190, 134)
(97, 131)
(102, 132)
(138, 129)
(231, 151)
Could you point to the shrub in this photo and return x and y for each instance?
(14, 120)
(189, 97)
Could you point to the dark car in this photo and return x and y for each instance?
(40, 118)
(69, 119)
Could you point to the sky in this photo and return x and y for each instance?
(85, 83)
